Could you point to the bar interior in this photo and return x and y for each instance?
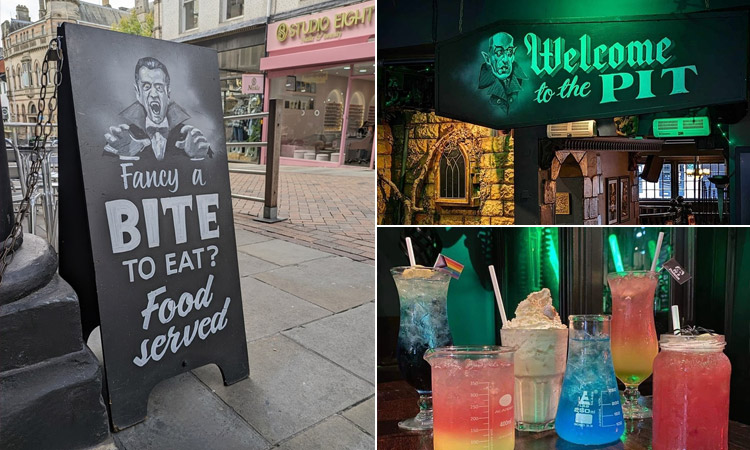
(563, 113)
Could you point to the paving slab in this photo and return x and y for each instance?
(250, 265)
(269, 310)
(335, 283)
(290, 388)
(348, 339)
(184, 413)
(363, 415)
(334, 433)
(282, 253)
(244, 237)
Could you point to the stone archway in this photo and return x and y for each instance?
(574, 164)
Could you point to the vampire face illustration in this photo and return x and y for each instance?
(501, 56)
(152, 88)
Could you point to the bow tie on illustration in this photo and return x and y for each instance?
(153, 130)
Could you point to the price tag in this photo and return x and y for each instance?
(678, 272)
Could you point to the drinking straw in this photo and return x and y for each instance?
(616, 256)
(410, 250)
(498, 297)
(675, 319)
(656, 253)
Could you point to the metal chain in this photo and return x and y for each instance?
(39, 152)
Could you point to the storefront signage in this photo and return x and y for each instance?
(252, 83)
(343, 23)
(510, 75)
(146, 226)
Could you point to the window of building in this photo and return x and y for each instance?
(189, 14)
(452, 175)
(234, 8)
(313, 124)
(661, 190)
(26, 73)
(680, 178)
(37, 74)
(693, 181)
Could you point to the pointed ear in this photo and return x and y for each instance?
(486, 58)
(137, 91)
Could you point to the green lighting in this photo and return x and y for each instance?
(553, 259)
(615, 248)
(651, 249)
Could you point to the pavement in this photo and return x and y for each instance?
(329, 209)
(309, 313)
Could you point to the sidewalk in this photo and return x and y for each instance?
(329, 209)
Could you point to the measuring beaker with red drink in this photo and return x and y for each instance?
(472, 397)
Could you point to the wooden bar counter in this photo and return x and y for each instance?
(398, 401)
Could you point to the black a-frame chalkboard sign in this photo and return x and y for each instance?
(146, 227)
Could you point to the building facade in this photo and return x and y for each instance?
(241, 32)
(25, 43)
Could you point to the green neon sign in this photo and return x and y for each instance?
(509, 74)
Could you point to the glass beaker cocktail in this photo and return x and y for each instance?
(539, 364)
(473, 397)
(691, 393)
(589, 412)
(634, 342)
(423, 295)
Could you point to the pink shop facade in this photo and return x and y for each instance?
(320, 69)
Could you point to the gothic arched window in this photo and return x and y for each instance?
(452, 175)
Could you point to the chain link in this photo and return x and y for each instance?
(39, 152)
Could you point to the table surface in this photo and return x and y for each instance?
(397, 401)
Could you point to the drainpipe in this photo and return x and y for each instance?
(268, 12)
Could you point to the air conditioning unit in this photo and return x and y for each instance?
(681, 127)
(583, 128)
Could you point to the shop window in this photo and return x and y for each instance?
(661, 190)
(452, 175)
(234, 8)
(189, 14)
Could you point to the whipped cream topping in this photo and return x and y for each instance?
(536, 312)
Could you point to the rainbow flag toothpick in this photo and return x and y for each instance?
(454, 268)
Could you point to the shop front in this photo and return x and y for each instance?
(626, 121)
(320, 69)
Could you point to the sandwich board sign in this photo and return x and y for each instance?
(146, 227)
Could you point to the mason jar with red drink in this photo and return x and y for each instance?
(691, 393)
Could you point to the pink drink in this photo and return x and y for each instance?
(691, 393)
(472, 395)
(634, 344)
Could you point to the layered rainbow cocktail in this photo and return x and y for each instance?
(472, 390)
(634, 342)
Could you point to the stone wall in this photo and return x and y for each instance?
(489, 154)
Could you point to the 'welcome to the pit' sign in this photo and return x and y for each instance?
(146, 228)
(509, 74)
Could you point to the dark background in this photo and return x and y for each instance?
(716, 297)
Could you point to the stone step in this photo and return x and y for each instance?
(33, 265)
(55, 404)
(45, 324)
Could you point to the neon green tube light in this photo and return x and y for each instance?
(615, 248)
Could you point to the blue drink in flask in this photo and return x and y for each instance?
(589, 412)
